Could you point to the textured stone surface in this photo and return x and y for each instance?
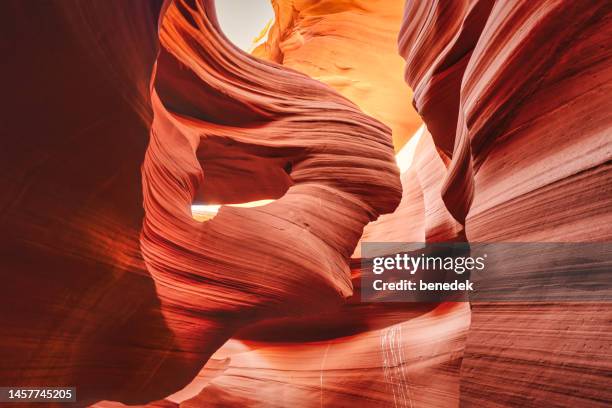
(529, 141)
(77, 304)
(126, 113)
(340, 174)
(351, 46)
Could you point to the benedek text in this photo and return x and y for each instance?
(405, 284)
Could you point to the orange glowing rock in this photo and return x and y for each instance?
(113, 287)
(351, 46)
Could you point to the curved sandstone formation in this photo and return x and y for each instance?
(411, 363)
(351, 46)
(78, 305)
(114, 287)
(526, 86)
(229, 111)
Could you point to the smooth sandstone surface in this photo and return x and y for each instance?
(529, 161)
(351, 46)
(113, 287)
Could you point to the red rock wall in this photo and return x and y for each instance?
(78, 305)
(109, 136)
(530, 162)
(249, 263)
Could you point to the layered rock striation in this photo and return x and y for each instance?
(111, 285)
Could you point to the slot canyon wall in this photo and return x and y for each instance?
(529, 161)
(121, 115)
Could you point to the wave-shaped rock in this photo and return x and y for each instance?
(212, 103)
(114, 287)
(516, 95)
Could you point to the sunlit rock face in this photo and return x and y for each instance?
(236, 124)
(517, 96)
(351, 46)
(117, 286)
(366, 355)
(405, 357)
